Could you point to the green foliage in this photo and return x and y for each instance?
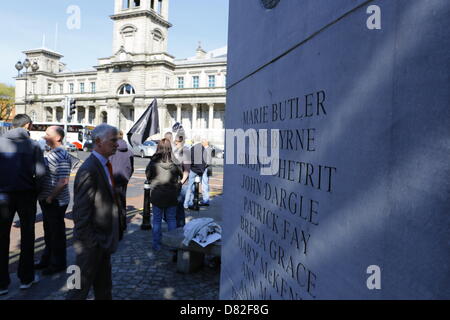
(7, 94)
(7, 91)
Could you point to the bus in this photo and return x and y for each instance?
(77, 134)
(4, 126)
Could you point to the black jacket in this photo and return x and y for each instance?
(198, 159)
(122, 163)
(22, 166)
(164, 179)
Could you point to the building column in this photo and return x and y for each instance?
(162, 117)
(179, 112)
(86, 115)
(113, 111)
(139, 109)
(211, 116)
(194, 116)
(91, 121)
(96, 120)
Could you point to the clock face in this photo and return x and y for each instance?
(270, 4)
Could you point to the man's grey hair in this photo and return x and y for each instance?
(100, 132)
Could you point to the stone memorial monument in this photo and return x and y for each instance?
(355, 97)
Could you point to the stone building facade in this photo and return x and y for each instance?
(119, 89)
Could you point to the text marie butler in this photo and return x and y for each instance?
(309, 106)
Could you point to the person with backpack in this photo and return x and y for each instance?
(164, 176)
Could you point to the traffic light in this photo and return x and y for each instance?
(72, 107)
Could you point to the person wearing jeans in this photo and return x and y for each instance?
(158, 213)
(200, 160)
(164, 177)
(205, 188)
(180, 153)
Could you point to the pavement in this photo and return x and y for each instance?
(139, 273)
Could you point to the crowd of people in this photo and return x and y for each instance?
(29, 175)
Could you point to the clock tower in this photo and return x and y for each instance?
(141, 26)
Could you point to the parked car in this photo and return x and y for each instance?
(88, 146)
(217, 152)
(147, 149)
(70, 147)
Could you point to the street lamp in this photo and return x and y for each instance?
(26, 64)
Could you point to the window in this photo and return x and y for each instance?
(212, 81)
(126, 89)
(81, 87)
(157, 35)
(93, 87)
(61, 88)
(71, 88)
(159, 6)
(180, 82)
(128, 30)
(104, 117)
(195, 81)
(49, 88)
(127, 4)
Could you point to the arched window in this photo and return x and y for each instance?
(33, 116)
(126, 89)
(59, 114)
(48, 114)
(157, 35)
(128, 30)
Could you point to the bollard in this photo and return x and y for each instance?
(146, 215)
(196, 206)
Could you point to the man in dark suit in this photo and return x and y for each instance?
(97, 217)
(22, 169)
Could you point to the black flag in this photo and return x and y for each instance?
(146, 126)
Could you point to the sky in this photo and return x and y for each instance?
(24, 25)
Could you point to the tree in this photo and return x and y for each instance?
(7, 97)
